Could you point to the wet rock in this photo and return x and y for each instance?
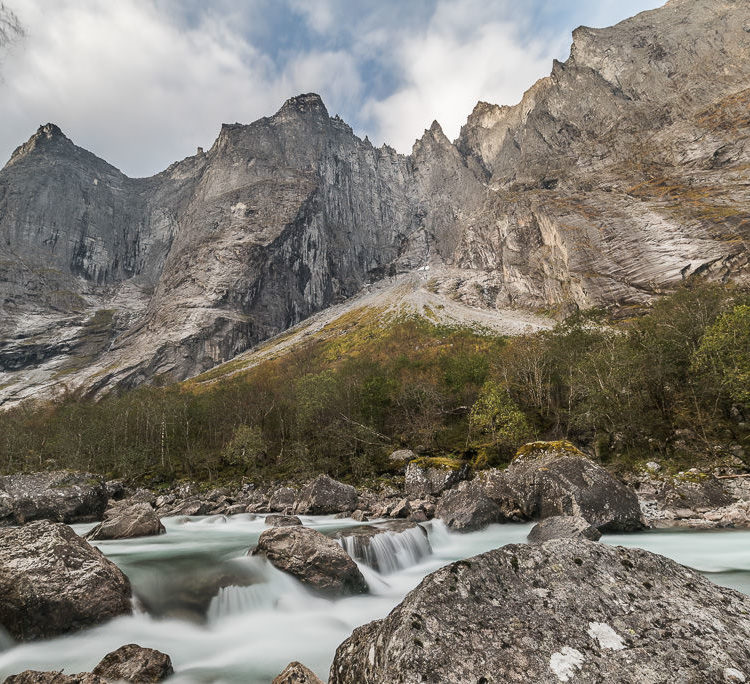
(115, 489)
(133, 663)
(36, 677)
(315, 560)
(734, 515)
(278, 520)
(359, 515)
(297, 673)
(555, 478)
(60, 496)
(282, 500)
(138, 520)
(431, 476)
(563, 527)
(235, 509)
(400, 509)
(517, 614)
(52, 581)
(325, 495)
(468, 508)
(387, 547)
(189, 508)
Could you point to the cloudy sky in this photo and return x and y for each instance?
(142, 83)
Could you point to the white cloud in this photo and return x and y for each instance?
(122, 80)
(461, 57)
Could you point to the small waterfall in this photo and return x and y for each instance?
(236, 600)
(388, 552)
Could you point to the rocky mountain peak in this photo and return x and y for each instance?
(307, 103)
(45, 134)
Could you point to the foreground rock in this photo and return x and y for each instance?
(468, 508)
(555, 478)
(431, 476)
(563, 527)
(314, 559)
(325, 495)
(130, 663)
(278, 520)
(517, 614)
(139, 520)
(386, 548)
(52, 581)
(60, 496)
(297, 673)
(133, 663)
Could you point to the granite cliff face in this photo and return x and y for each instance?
(621, 173)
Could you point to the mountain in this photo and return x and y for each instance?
(623, 172)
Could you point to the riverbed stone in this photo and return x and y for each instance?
(297, 673)
(555, 478)
(59, 495)
(563, 527)
(468, 508)
(519, 614)
(278, 520)
(138, 520)
(317, 561)
(52, 581)
(282, 500)
(432, 476)
(37, 677)
(324, 495)
(134, 663)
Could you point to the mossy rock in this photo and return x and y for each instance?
(541, 448)
(441, 462)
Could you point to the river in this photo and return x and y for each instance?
(249, 633)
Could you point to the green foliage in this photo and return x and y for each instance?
(723, 356)
(496, 416)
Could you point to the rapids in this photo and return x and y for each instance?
(225, 617)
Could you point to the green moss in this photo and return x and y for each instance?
(442, 462)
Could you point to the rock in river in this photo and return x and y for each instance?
(52, 581)
(468, 508)
(563, 611)
(297, 673)
(278, 520)
(59, 495)
(133, 663)
(555, 478)
(314, 559)
(325, 495)
(138, 520)
(563, 527)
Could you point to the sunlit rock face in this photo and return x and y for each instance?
(615, 177)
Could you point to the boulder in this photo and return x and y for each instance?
(401, 456)
(432, 476)
(563, 527)
(138, 520)
(555, 478)
(387, 547)
(278, 520)
(282, 500)
(36, 677)
(189, 508)
(133, 663)
(325, 495)
(52, 581)
(60, 496)
(297, 673)
(468, 508)
(518, 614)
(315, 560)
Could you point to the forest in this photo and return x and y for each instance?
(670, 382)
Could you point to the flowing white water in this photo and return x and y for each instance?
(217, 630)
(389, 552)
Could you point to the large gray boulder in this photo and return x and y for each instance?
(315, 560)
(138, 520)
(563, 527)
(283, 500)
(432, 476)
(325, 495)
(59, 495)
(133, 663)
(468, 508)
(278, 520)
(52, 581)
(555, 478)
(297, 673)
(518, 614)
